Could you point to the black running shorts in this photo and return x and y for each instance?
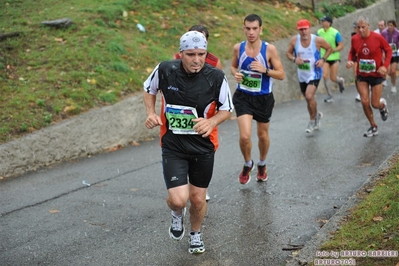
(394, 59)
(304, 85)
(372, 81)
(260, 107)
(179, 169)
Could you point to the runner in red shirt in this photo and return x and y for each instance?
(367, 49)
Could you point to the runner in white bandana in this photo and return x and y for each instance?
(195, 99)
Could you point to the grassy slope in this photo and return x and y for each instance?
(372, 225)
(52, 74)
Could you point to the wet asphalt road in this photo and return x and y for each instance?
(50, 217)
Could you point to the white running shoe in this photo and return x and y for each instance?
(317, 119)
(393, 89)
(310, 127)
(176, 229)
(372, 131)
(341, 86)
(358, 97)
(196, 243)
(329, 99)
(384, 111)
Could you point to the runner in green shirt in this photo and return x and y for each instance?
(330, 70)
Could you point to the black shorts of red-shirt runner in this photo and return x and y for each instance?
(304, 85)
(180, 169)
(394, 59)
(372, 81)
(260, 107)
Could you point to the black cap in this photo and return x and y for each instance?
(326, 18)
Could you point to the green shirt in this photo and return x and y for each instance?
(333, 37)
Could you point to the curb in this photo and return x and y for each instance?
(308, 253)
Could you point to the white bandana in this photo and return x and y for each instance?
(193, 40)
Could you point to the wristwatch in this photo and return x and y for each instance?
(267, 71)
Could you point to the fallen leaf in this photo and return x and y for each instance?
(54, 211)
(377, 219)
(58, 39)
(117, 147)
(134, 189)
(91, 81)
(69, 109)
(386, 207)
(148, 69)
(134, 143)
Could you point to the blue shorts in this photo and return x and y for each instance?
(179, 169)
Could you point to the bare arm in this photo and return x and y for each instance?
(322, 43)
(219, 65)
(234, 64)
(339, 47)
(274, 59)
(276, 69)
(153, 119)
(290, 51)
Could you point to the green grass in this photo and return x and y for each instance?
(374, 223)
(51, 74)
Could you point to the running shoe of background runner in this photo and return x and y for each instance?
(245, 175)
(384, 111)
(262, 173)
(372, 131)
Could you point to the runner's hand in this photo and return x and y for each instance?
(203, 126)
(257, 66)
(152, 121)
(350, 64)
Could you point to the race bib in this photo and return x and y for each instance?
(305, 66)
(367, 65)
(180, 118)
(394, 49)
(251, 81)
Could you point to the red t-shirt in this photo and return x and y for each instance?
(210, 58)
(368, 53)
